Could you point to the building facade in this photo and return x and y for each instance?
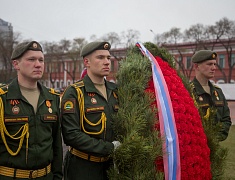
(63, 71)
(6, 29)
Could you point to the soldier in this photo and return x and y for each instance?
(30, 143)
(208, 95)
(87, 109)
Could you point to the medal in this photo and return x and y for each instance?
(216, 95)
(50, 110)
(93, 101)
(200, 98)
(48, 104)
(15, 110)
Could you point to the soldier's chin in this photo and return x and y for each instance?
(37, 77)
(106, 73)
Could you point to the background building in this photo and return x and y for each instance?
(6, 29)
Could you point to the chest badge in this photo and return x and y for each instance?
(48, 104)
(200, 98)
(216, 95)
(93, 101)
(15, 110)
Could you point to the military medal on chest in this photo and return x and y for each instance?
(15, 109)
(200, 98)
(93, 100)
(48, 104)
(216, 95)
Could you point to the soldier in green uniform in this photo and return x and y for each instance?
(30, 142)
(87, 124)
(207, 94)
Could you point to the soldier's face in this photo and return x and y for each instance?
(98, 63)
(30, 66)
(207, 68)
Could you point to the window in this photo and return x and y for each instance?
(188, 62)
(232, 59)
(180, 59)
(221, 62)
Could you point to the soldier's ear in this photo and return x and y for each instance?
(196, 65)
(86, 62)
(15, 64)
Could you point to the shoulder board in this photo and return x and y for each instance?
(216, 86)
(3, 89)
(192, 85)
(2, 84)
(78, 84)
(53, 91)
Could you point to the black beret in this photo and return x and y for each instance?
(203, 55)
(21, 48)
(91, 47)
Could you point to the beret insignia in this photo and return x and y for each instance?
(106, 46)
(35, 45)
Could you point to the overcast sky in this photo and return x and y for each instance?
(53, 20)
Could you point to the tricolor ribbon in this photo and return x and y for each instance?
(171, 157)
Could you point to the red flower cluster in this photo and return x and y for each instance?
(194, 151)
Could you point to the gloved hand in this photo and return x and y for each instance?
(116, 144)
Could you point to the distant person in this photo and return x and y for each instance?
(208, 95)
(87, 124)
(30, 142)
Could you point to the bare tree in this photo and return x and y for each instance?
(113, 38)
(224, 29)
(74, 55)
(199, 37)
(174, 37)
(64, 44)
(93, 37)
(130, 37)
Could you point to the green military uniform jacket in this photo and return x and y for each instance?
(88, 138)
(44, 143)
(215, 99)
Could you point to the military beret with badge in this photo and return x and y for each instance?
(203, 55)
(21, 48)
(93, 46)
